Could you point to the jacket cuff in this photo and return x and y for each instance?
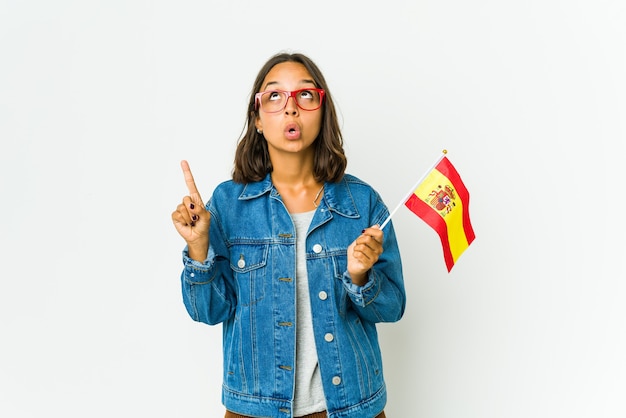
(196, 272)
(361, 295)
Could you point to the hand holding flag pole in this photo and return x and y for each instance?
(441, 200)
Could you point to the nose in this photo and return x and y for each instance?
(291, 107)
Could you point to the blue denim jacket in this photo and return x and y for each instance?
(247, 283)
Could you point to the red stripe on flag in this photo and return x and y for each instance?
(435, 221)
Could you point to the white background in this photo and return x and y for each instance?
(100, 100)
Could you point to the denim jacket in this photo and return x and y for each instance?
(247, 283)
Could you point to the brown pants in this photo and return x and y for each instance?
(315, 415)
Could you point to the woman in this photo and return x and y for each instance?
(288, 256)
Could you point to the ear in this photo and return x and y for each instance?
(257, 124)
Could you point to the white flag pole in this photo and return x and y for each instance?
(404, 199)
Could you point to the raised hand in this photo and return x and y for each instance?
(191, 219)
(363, 253)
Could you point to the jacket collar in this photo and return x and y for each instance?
(337, 196)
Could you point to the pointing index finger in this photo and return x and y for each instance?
(191, 184)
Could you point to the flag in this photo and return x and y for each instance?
(442, 201)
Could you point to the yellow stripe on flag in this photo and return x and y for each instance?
(434, 182)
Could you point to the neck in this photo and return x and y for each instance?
(293, 172)
(298, 189)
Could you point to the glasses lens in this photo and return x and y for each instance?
(308, 99)
(275, 101)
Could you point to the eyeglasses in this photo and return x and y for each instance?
(273, 101)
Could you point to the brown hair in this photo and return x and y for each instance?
(252, 160)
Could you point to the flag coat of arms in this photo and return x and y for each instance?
(442, 201)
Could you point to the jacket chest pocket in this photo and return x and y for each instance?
(249, 264)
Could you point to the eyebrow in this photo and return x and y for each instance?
(304, 81)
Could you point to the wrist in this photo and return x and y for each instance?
(359, 279)
(198, 253)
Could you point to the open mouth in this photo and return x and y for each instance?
(292, 131)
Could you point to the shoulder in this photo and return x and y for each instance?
(355, 198)
(228, 186)
(226, 191)
(231, 190)
(353, 189)
(351, 179)
(356, 184)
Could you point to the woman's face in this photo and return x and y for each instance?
(293, 129)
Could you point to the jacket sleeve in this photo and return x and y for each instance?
(383, 297)
(207, 287)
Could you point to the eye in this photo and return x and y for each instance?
(274, 95)
(307, 94)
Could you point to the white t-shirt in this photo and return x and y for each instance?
(309, 393)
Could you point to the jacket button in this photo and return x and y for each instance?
(317, 248)
(336, 380)
(322, 295)
(329, 337)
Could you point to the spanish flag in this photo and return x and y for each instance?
(442, 201)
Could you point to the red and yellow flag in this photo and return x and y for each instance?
(442, 201)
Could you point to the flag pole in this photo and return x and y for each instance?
(404, 199)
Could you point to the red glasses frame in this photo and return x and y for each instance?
(257, 98)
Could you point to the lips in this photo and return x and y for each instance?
(292, 131)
